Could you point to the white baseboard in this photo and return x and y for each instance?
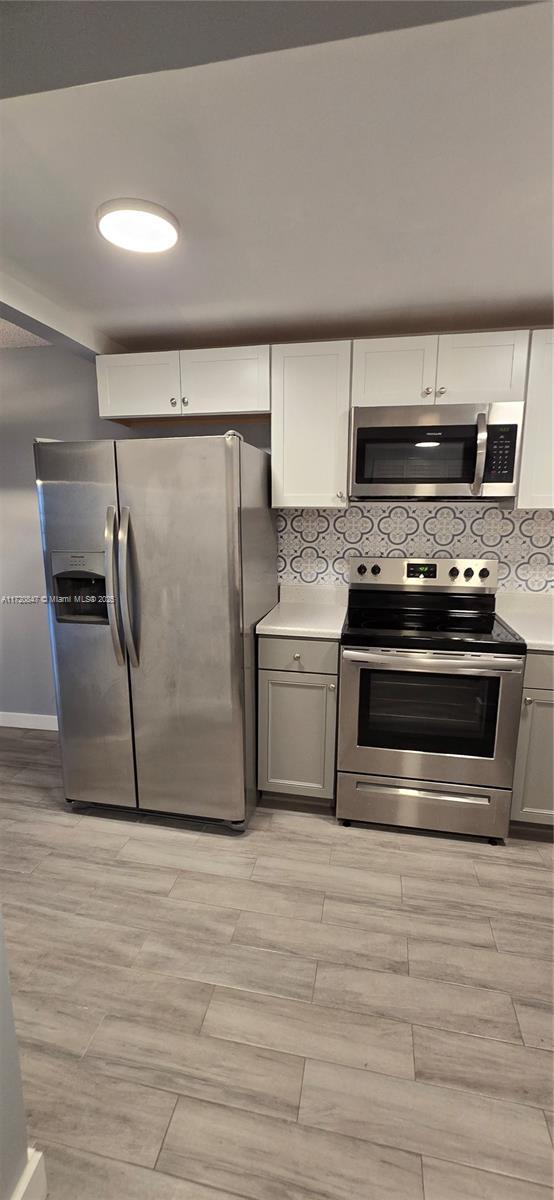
(32, 1183)
(28, 720)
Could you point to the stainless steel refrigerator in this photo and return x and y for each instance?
(160, 557)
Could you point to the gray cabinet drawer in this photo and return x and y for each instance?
(298, 654)
(539, 670)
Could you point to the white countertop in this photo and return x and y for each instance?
(531, 614)
(307, 611)
(318, 611)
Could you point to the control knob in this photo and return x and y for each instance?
(484, 573)
(453, 572)
(362, 569)
(375, 570)
(468, 573)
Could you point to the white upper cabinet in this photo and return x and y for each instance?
(481, 368)
(310, 402)
(139, 385)
(187, 382)
(398, 370)
(536, 480)
(232, 380)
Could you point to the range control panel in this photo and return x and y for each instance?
(478, 574)
(501, 454)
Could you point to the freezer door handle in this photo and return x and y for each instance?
(124, 584)
(111, 584)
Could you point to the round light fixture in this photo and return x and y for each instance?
(137, 225)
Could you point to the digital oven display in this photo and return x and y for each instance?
(422, 570)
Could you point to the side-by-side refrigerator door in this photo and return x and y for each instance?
(77, 495)
(179, 569)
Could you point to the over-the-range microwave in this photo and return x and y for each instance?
(460, 451)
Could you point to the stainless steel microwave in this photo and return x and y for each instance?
(462, 451)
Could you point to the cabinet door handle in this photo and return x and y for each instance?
(441, 391)
(340, 495)
(184, 400)
(332, 687)
(427, 391)
(173, 402)
(528, 700)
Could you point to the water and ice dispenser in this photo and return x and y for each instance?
(79, 584)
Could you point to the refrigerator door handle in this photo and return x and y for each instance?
(110, 575)
(124, 584)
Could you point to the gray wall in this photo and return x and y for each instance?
(44, 392)
(50, 393)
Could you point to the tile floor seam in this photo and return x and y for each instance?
(153, 1168)
(454, 1162)
(417, 1153)
(467, 1091)
(93, 1035)
(479, 1036)
(44, 1145)
(301, 1090)
(550, 1130)
(422, 1178)
(212, 994)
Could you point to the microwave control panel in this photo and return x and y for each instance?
(501, 454)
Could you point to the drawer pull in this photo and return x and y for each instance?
(296, 656)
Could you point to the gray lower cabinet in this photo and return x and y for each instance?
(533, 797)
(297, 721)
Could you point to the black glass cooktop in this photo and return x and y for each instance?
(499, 639)
(427, 621)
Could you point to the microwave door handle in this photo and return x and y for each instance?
(111, 583)
(124, 581)
(482, 436)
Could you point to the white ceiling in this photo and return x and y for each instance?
(391, 182)
(14, 338)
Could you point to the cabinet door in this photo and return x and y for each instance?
(394, 371)
(139, 385)
(536, 482)
(533, 798)
(233, 380)
(476, 368)
(297, 733)
(310, 406)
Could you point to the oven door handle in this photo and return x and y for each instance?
(393, 662)
(482, 437)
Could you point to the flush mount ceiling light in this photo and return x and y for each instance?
(137, 225)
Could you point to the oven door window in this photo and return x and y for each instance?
(429, 713)
(416, 454)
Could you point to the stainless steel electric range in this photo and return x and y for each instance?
(430, 696)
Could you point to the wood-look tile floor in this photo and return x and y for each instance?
(306, 1012)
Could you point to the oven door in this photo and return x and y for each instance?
(430, 715)
(455, 451)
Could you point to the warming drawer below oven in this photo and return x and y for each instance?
(483, 812)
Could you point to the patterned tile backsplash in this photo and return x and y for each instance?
(316, 544)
